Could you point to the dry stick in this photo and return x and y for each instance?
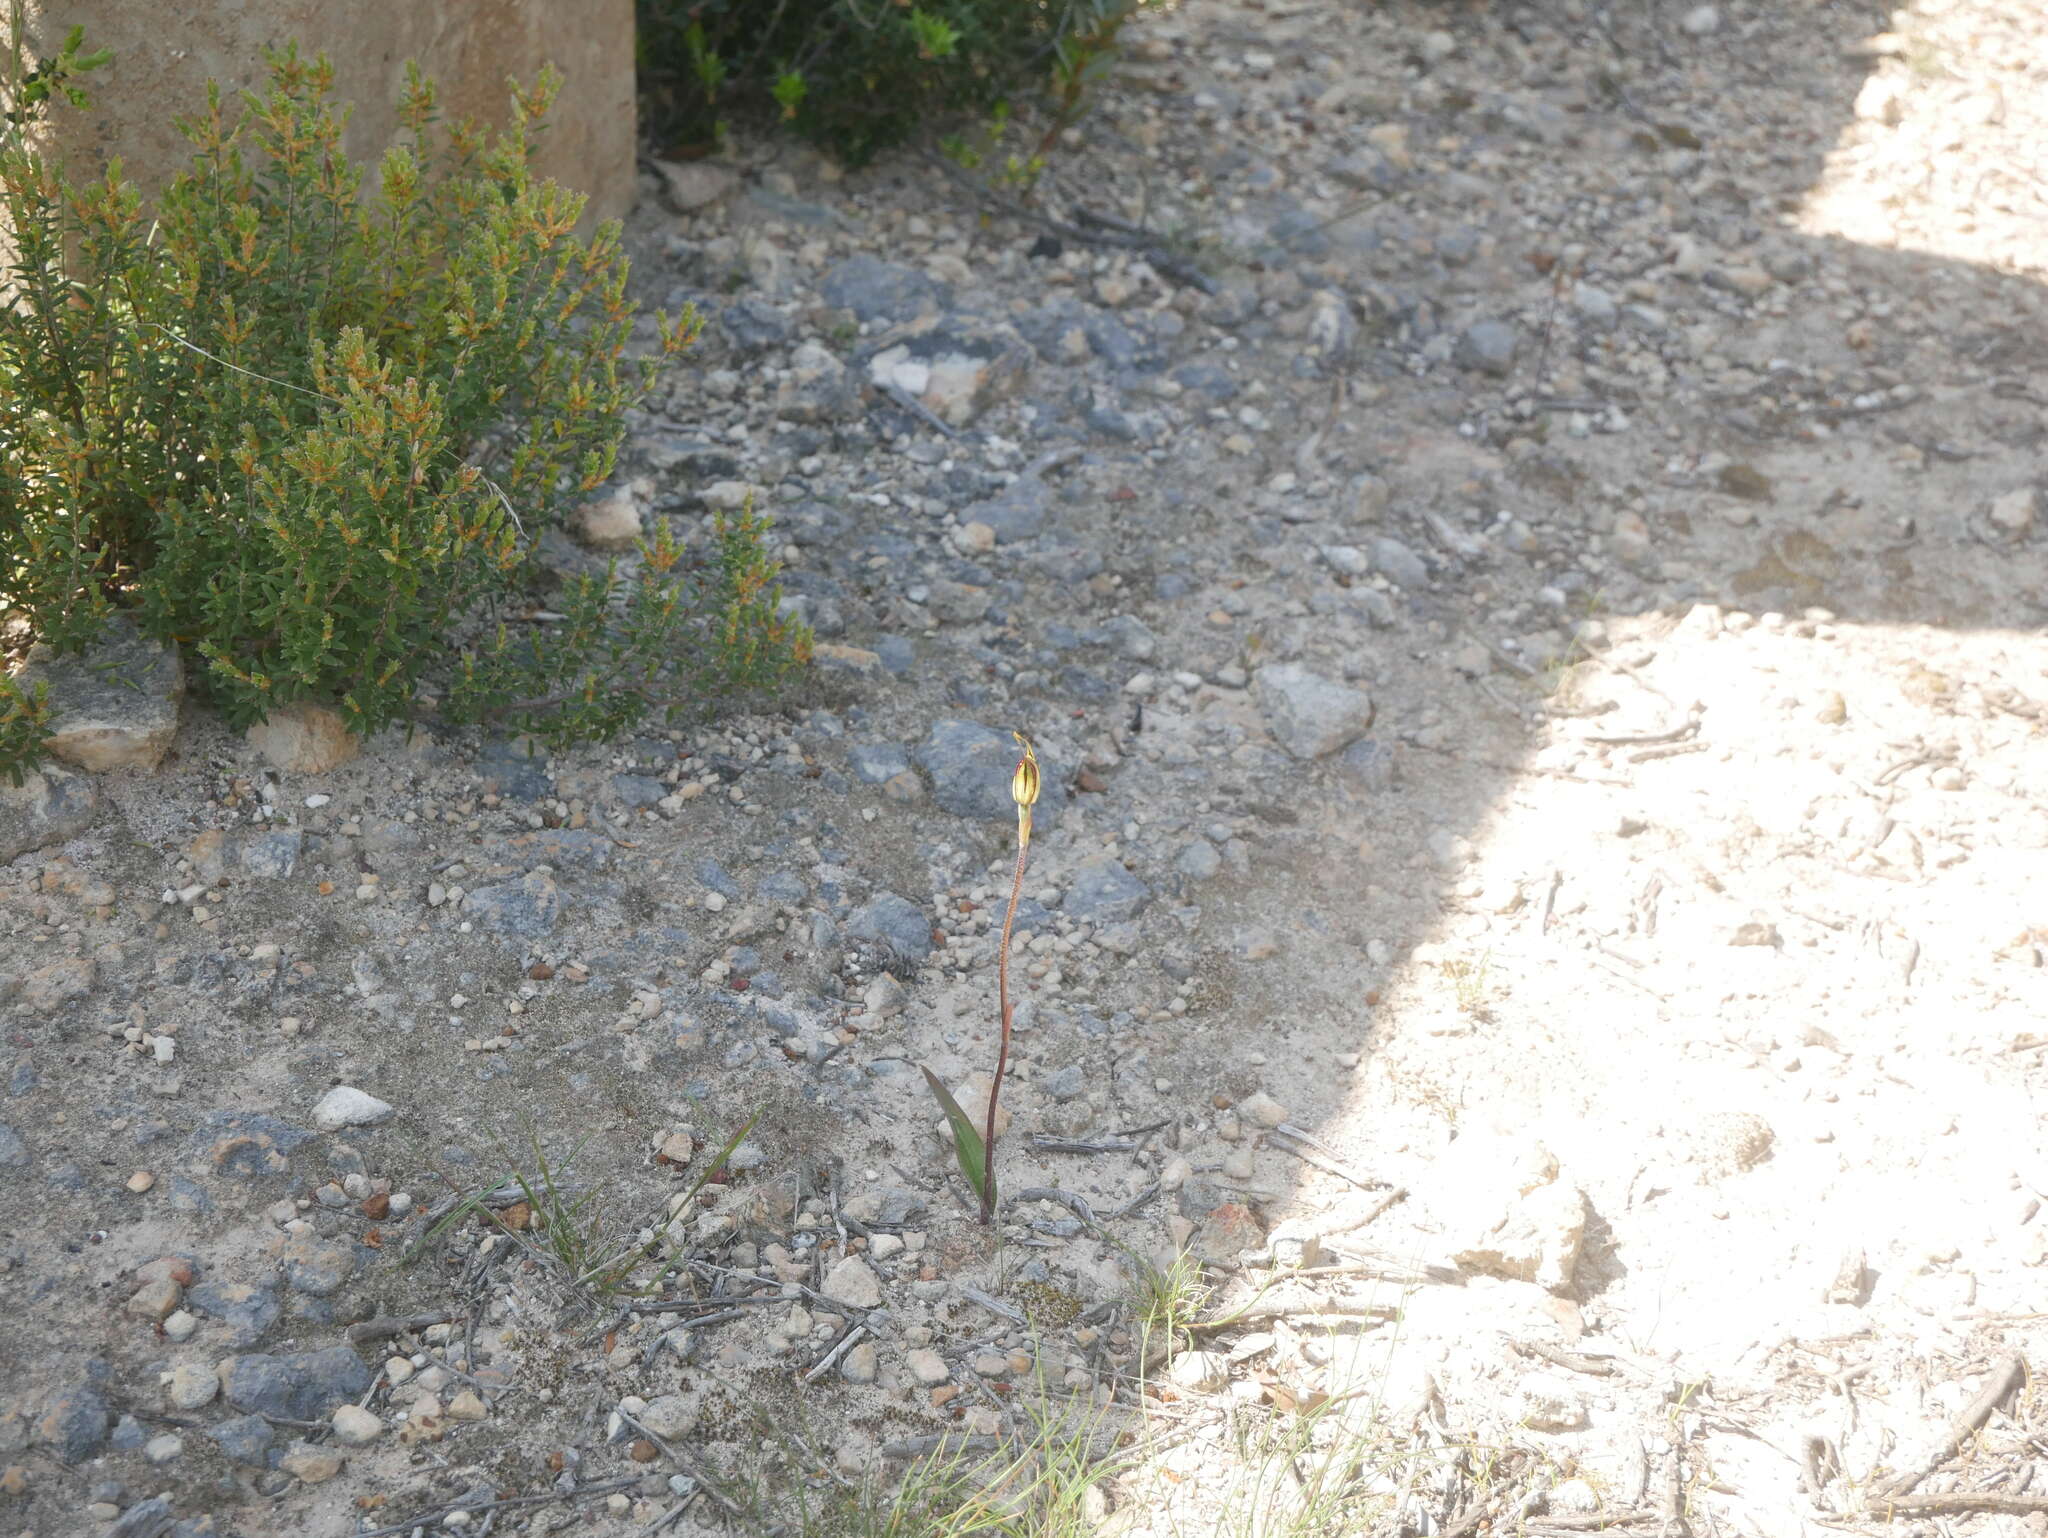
(388, 1326)
(1961, 1500)
(430, 1518)
(825, 1362)
(2006, 1380)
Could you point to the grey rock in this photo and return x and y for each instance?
(1207, 378)
(189, 1197)
(147, 1519)
(1102, 891)
(507, 769)
(896, 653)
(247, 1145)
(1596, 306)
(970, 766)
(877, 290)
(783, 886)
(246, 1439)
(1375, 607)
(1111, 340)
(14, 1154)
(956, 367)
(1367, 171)
(318, 1267)
(304, 1386)
(113, 705)
(346, 1106)
(818, 388)
(247, 1311)
(557, 848)
(49, 806)
(1068, 1083)
(1488, 346)
(1017, 512)
(1131, 636)
(717, 878)
(637, 790)
(959, 603)
(1199, 860)
(896, 922)
(873, 763)
(73, 1423)
(526, 908)
(1393, 559)
(1312, 716)
(853, 1282)
(1368, 765)
(753, 326)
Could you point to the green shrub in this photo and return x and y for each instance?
(857, 76)
(306, 430)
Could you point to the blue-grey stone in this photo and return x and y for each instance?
(1103, 892)
(897, 653)
(247, 1311)
(1112, 341)
(246, 1439)
(73, 1423)
(316, 1266)
(1084, 685)
(1488, 346)
(877, 290)
(1393, 559)
(1068, 1083)
(784, 886)
(1104, 418)
(893, 921)
(1368, 764)
(303, 1386)
(189, 1197)
(506, 769)
(753, 326)
(526, 908)
(1033, 917)
(874, 762)
(128, 1436)
(1199, 860)
(970, 766)
(24, 1080)
(557, 848)
(717, 878)
(14, 1154)
(1131, 636)
(1017, 512)
(47, 807)
(638, 790)
(247, 1145)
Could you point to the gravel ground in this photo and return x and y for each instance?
(1517, 533)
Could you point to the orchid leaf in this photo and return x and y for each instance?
(967, 1144)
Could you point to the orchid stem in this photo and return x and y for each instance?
(995, 1088)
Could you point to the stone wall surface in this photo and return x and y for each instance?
(166, 50)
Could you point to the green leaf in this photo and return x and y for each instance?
(967, 1145)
